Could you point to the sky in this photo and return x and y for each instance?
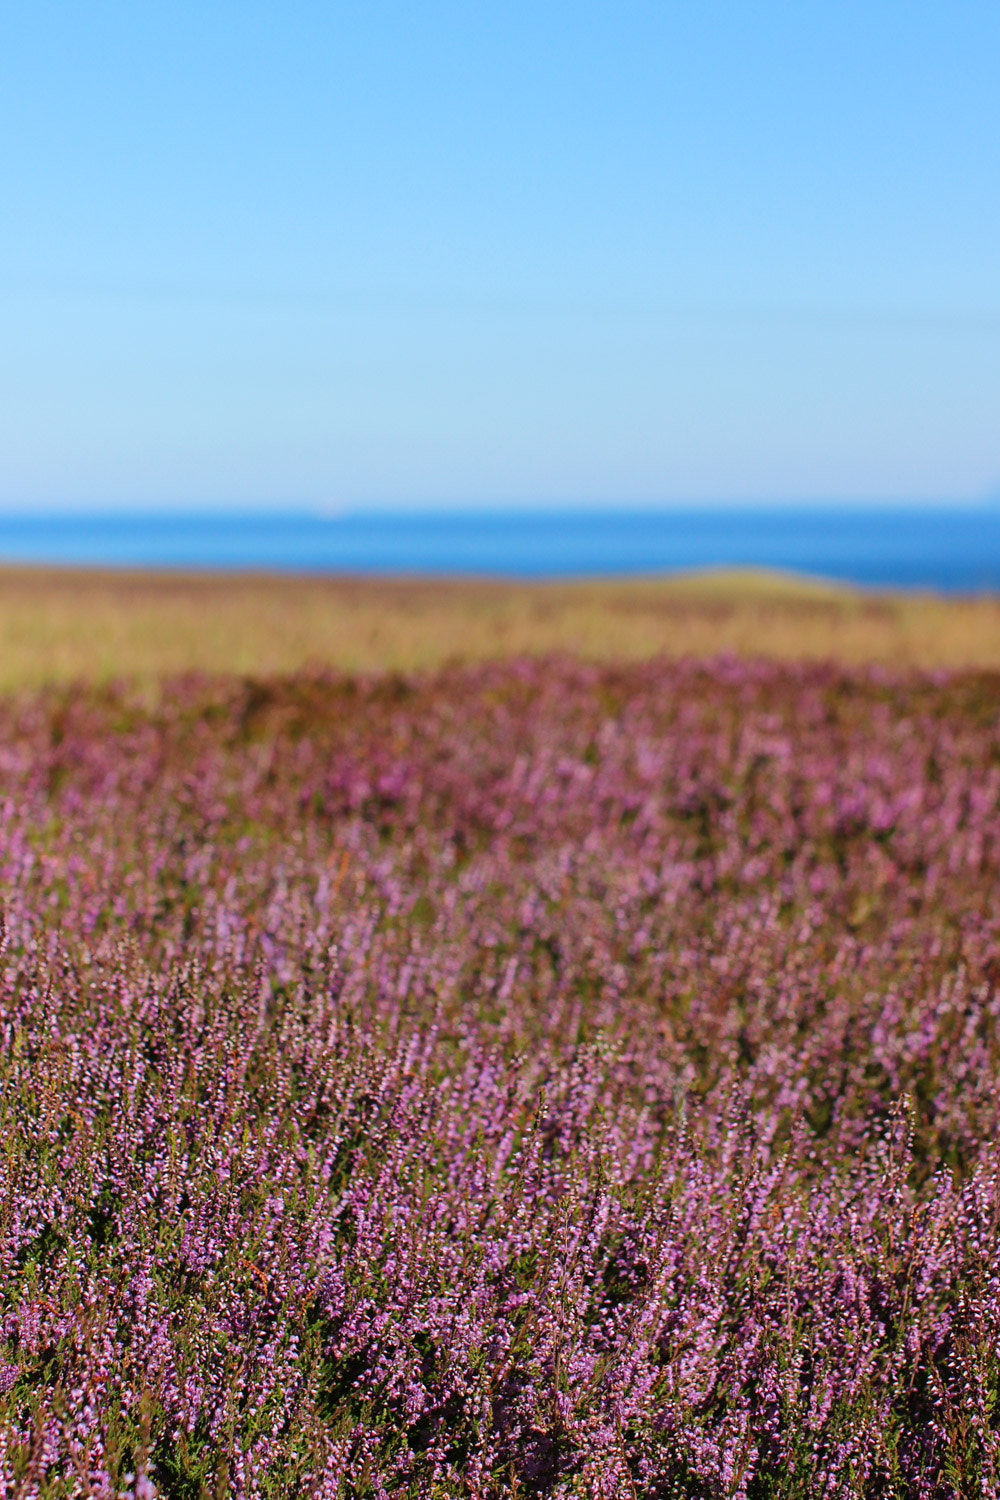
(435, 254)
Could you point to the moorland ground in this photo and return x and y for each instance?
(539, 1077)
(66, 625)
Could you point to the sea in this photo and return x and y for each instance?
(948, 549)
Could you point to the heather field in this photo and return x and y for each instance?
(532, 1078)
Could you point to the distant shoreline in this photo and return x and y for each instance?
(746, 585)
(952, 550)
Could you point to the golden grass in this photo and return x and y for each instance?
(56, 626)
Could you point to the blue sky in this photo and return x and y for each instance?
(442, 254)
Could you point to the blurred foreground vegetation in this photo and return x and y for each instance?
(59, 626)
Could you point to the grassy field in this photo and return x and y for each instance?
(58, 626)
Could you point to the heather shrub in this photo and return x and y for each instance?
(533, 1079)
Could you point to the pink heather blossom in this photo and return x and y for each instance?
(535, 1079)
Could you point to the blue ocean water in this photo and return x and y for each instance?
(946, 549)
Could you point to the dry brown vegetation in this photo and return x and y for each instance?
(57, 626)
